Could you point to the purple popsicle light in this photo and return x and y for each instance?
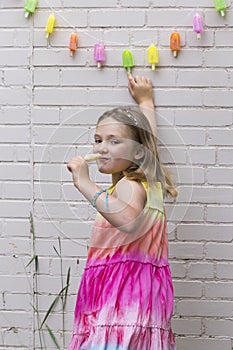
(198, 25)
(99, 54)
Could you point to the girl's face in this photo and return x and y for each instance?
(114, 141)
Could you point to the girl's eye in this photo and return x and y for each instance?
(97, 141)
(115, 142)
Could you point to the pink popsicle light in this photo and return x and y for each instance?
(99, 54)
(198, 25)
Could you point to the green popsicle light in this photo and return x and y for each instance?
(220, 5)
(127, 60)
(30, 6)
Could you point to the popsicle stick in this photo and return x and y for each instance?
(92, 156)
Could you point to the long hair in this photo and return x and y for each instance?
(148, 168)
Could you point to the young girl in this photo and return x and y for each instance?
(125, 299)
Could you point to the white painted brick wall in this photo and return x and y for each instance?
(49, 103)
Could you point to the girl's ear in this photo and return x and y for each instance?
(139, 153)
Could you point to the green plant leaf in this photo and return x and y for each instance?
(52, 306)
(67, 287)
(32, 229)
(52, 336)
(50, 310)
(35, 257)
(56, 251)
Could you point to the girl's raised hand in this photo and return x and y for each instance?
(79, 169)
(140, 89)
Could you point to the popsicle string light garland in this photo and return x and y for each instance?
(99, 53)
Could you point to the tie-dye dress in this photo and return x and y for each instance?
(125, 298)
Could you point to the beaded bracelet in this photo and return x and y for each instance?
(96, 196)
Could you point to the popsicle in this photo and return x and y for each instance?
(73, 43)
(127, 60)
(152, 56)
(50, 25)
(30, 6)
(99, 54)
(92, 156)
(220, 5)
(198, 25)
(175, 43)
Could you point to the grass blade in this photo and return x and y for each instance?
(52, 336)
(50, 310)
(67, 287)
(56, 250)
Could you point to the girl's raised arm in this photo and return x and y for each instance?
(141, 90)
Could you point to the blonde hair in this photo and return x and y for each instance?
(150, 168)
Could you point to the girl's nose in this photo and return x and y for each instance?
(102, 147)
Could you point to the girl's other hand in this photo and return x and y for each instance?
(79, 169)
(141, 89)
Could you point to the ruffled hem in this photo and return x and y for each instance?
(124, 337)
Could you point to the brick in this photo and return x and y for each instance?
(188, 175)
(199, 270)
(15, 227)
(220, 176)
(168, 18)
(221, 98)
(205, 195)
(14, 37)
(69, 18)
(219, 251)
(205, 232)
(219, 290)
(45, 191)
(190, 78)
(220, 137)
(117, 18)
(172, 155)
(17, 77)
(224, 270)
(65, 96)
(45, 115)
(14, 96)
(54, 210)
(144, 37)
(207, 39)
(135, 3)
(14, 115)
(59, 57)
(178, 269)
(181, 136)
(218, 327)
(218, 58)
(182, 250)
(63, 135)
(13, 19)
(13, 208)
(93, 4)
(223, 37)
(14, 134)
(220, 214)
(16, 190)
(187, 326)
(45, 77)
(88, 77)
(203, 117)
(192, 343)
(187, 289)
(15, 171)
(116, 37)
(201, 155)
(225, 156)
(210, 308)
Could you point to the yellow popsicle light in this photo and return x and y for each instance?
(152, 56)
(50, 25)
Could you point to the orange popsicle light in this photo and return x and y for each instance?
(175, 43)
(73, 43)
